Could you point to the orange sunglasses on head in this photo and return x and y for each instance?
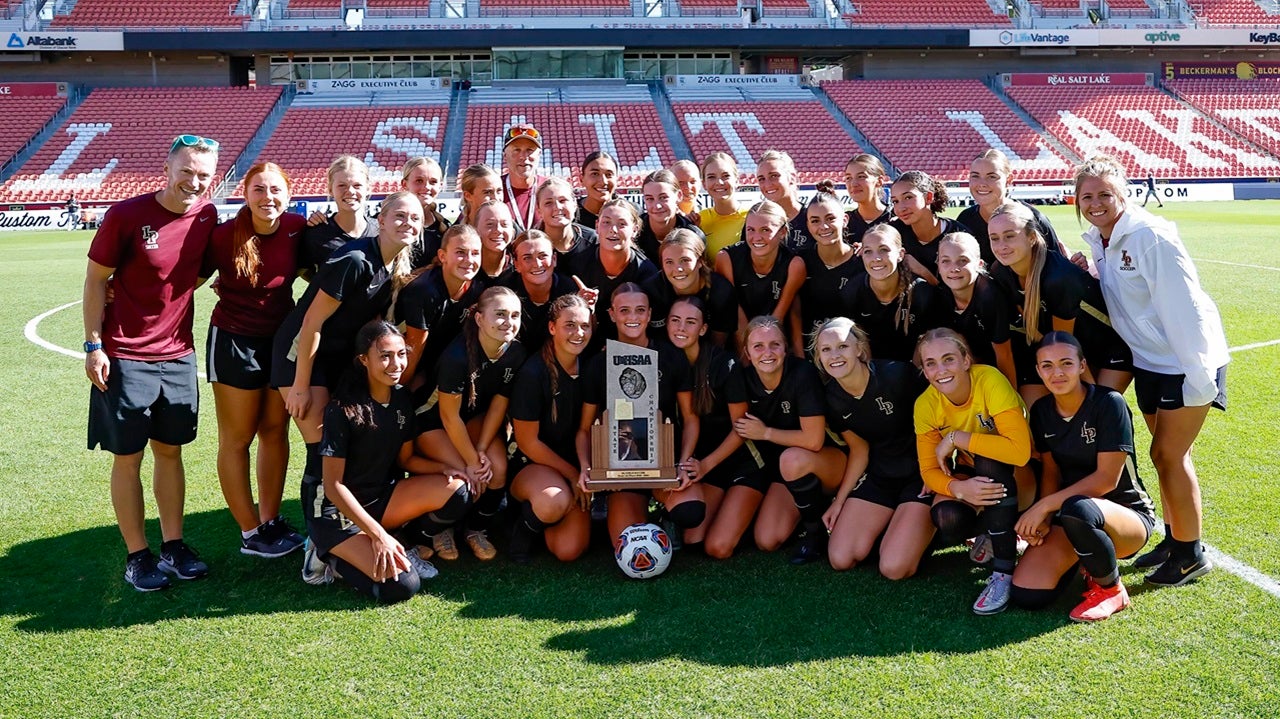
(528, 131)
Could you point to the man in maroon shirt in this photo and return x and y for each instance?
(140, 355)
(521, 153)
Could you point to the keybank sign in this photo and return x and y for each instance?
(64, 41)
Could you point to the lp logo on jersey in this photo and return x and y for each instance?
(886, 407)
(786, 408)
(400, 420)
(150, 238)
(507, 375)
(1088, 433)
(777, 291)
(988, 423)
(1126, 262)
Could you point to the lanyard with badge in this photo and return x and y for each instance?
(515, 206)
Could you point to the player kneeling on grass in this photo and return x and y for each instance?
(1093, 506)
(367, 446)
(971, 433)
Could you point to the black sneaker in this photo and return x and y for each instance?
(140, 570)
(275, 538)
(520, 549)
(280, 527)
(181, 561)
(812, 548)
(1158, 555)
(1174, 573)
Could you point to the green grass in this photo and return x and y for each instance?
(746, 638)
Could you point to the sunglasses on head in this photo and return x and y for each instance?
(528, 131)
(194, 141)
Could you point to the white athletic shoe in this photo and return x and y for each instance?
(315, 570)
(995, 597)
(981, 552)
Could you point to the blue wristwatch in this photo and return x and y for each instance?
(92, 347)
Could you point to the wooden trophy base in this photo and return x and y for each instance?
(665, 476)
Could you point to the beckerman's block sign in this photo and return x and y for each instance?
(632, 446)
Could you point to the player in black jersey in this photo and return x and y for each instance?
(775, 403)
(832, 267)
(1093, 508)
(662, 200)
(869, 405)
(686, 273)
(314, 345)
(615, 262)
(573, 243)
(545, 411)
(917, 199)
(893, 305)
(536, 283)
(629, 309)
(463, 425)
(364, 495)
(433, 305)
(864, 180)
(424, 177)
(710, 367)
(989, 186)
(497, 231)
(766, 276)
(479, 184)
(979, 308)
(777, 178)
(600, 180)
(348, 180)
(1051, 293)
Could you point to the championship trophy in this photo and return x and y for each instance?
(632, 447)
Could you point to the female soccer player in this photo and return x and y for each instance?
(776, 176)
(349, 188)
(256, 258)
(971, 433)
(686, 273)
(433, 305)
(573, 243)
(832, 267)
(365, 496)
(980, 308)
(723, 221)
(1052, 294)
(545, 411)
(600, 179)
(423, 177)
(881, 495)
(629, 309)
(661, 215)
(917, 199)
(893, 305)
(615, 262)
(766, 276)
(989, 185)
(463, 428)
(1179, 350)
(497, 230)
(1093, 508)
(313, 346)
(864, 180)
(536, 284)
(479, 184)
(775, 403)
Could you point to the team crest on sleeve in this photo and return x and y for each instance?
(150, 238)
(987, 423)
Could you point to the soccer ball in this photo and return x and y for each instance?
(644, 551)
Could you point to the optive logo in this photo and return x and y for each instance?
(1162, 37)
(1033, 38)
(1266, 38)
(15, 41)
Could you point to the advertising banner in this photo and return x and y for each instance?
(1039, 79)
(1221, 70)
(32, 89)
(64, 41)
(735, 80)
(369, 85)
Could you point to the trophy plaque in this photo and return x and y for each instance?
(631, 446)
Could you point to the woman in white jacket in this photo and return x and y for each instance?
(1179, 350)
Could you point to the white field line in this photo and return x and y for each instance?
(1238, 264)
(1227, 562)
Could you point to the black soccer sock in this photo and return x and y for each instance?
(807, 493)
(530, 519)
(438, 520)
(390, 591)
(955, 520)
(688, 515)
(1188, 552)
(312, 466)
(1083, 522)
(1033, 599)
(998, 521)
(1167, 539)
(485, 509)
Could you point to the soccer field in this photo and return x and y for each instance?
(750, 637)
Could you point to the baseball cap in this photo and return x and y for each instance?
(526, 131)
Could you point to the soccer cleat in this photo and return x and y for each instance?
(1100, 602)
(1175, 574)
(444, 545)
(315, 570)
(995, 596)
(480, 545)
(980, 552)
(142, 573)
(1158, 555)
(424, 569)
(812, 548)
(181, 561)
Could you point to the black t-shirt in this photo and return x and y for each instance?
(1102, 424)
(714, 424)
(477, 389)
(424, 304)
(371, 450)
(321, 242)
(484, 280)
(533, 316)
(673, 378)
(973, 223)
(758, 294)
(534, 400)
(888, 339)
(882, 416)
(718, 296)
(827, 291)
(583, 251)
(798, 238)
(926, 252)
(356, 277)
(855, 226)
(1063, 288)
(427, 247)
(984, 322)
(649, 243)
(637, 270)
(798, 394)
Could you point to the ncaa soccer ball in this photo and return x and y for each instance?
(644, 551)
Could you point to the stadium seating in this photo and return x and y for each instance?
(489, 8)
(804, 129)
(21, 118)
(631, 132)
(939, 126)
(1148, 130)
(113, 146)
(1232, 12)
(150, 13)
(1247, 107)
(308, 138)
(960, 13)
